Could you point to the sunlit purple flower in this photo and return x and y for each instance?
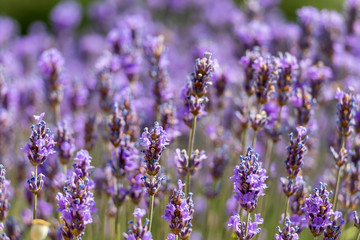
(249, 180)
(41, 142)
(76, 203)
(137, 230)
(296, 150)
(318, 210)
(179, 212)
(288, 232)
(240, 227)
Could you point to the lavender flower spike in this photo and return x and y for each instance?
(318, 210)
(77, 203)
(240, 227)
(288, 232)
(345, 111)
(249, 180)
(138, 230)
(186, 165)
(65, 142)
(179, 213)
(296, 150)
(332, 231)
(41, 142)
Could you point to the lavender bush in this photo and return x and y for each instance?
(165, 100)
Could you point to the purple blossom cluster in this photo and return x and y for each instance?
(76, 204)
(249, 180)
(210, 85)
(179, 212)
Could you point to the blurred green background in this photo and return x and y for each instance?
(27, 11)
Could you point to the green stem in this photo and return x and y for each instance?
(151, 210)
(57, 113)
(189, 152)
(247, 223)
(244, 141)
(35, 195)
(337, 187)
(254, 139)
(117, 223)
(315, 238)
(358, 235)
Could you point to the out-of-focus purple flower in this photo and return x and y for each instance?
(258, 119)
(156, 55)
(66, 15)
(296, 150)
(7, 29)
(90, 135)
(219, 162)
(125, 158)
(316, 76)
(51, 63)
(136, 190)
(332, 231)
(249, 180)
(303, 102)
(356, 220)
(288, 232)
(254, 33)
(189, 165)
(137, 230)
(240, 227)
(247, 62)
(116, 125)
(77, 203)
(288, 71)
(65, 142)
(179, 212)
(169, 120)
(5, 194)
(265, 76)
(41, 142)
(345, 111)
(318, 210)
(171, 237)
(200, 78)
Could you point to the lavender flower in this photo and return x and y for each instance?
(179, 212)
(249, 180)
(5, 194)
(90, 132)
(41, 142)
(116, 126)
(204, 68)
(240, 227)
(288, 232)
(51, 64)
(288, 67)
(77, 202)
(124, 159)
(189, 165)
(265, 75)
(345, 111)
(296, 150)
(303, 102)
(36, 183)
(356, 220)
(247, 62)
(154, 143)
(65, 142)
(138, 230)
(136, 190)
(318, 210)
(332, 231)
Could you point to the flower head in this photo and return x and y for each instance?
(249, 180)
(41, 143)
(318, 210)
(288, 232)
(240, 227)
(179, 212)
(137, 230)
